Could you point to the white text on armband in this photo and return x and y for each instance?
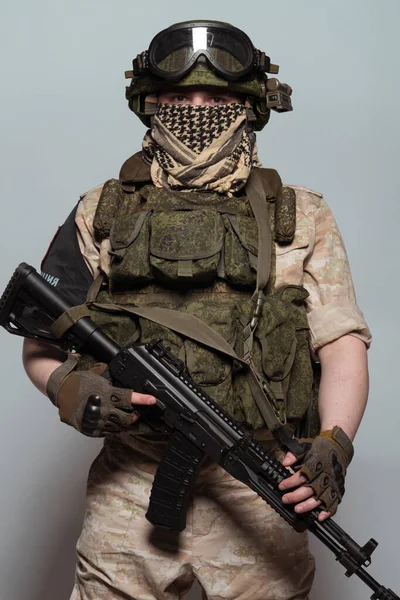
(50, 279)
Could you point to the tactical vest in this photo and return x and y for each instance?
(186, 267)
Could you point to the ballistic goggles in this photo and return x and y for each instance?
(176, 50)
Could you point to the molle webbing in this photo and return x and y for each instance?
(196, 327)
(192, 316)
(135, 173)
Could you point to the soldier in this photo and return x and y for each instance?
(196, 226)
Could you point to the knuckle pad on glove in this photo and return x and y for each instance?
(330, 500)
(93, 406)
(325, 467)
(325, 489)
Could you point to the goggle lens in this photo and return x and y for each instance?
(174, 52)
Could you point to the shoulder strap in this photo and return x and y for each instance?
(256, 194)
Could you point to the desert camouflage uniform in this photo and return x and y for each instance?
(234, 543)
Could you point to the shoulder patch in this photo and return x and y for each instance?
(302, 188)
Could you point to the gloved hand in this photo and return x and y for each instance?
(90, 403)
(321, 468)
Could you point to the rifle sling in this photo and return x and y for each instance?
(189, 326)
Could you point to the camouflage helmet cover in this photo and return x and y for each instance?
(252, 85)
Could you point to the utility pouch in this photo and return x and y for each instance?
(186, 244)
(282, 350)
(208, 368)
(130, 238)
(240, 250)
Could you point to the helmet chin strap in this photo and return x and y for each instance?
(150, 107)
(250, 114)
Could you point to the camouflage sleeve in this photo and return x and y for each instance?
(89, 248)
(332, 307)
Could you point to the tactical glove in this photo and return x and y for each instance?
(88, 401)
(324, 461)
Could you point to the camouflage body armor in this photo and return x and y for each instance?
(184, 269)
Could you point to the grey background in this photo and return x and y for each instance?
(65, 128)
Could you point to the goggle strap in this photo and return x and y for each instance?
(273, 69)
(140, 63)
(263, 63)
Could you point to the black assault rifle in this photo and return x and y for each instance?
(196, 425)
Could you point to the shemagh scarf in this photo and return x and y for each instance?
(200, 147)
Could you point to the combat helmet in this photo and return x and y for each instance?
(207, 53)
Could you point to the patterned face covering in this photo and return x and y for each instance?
(200, 147)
